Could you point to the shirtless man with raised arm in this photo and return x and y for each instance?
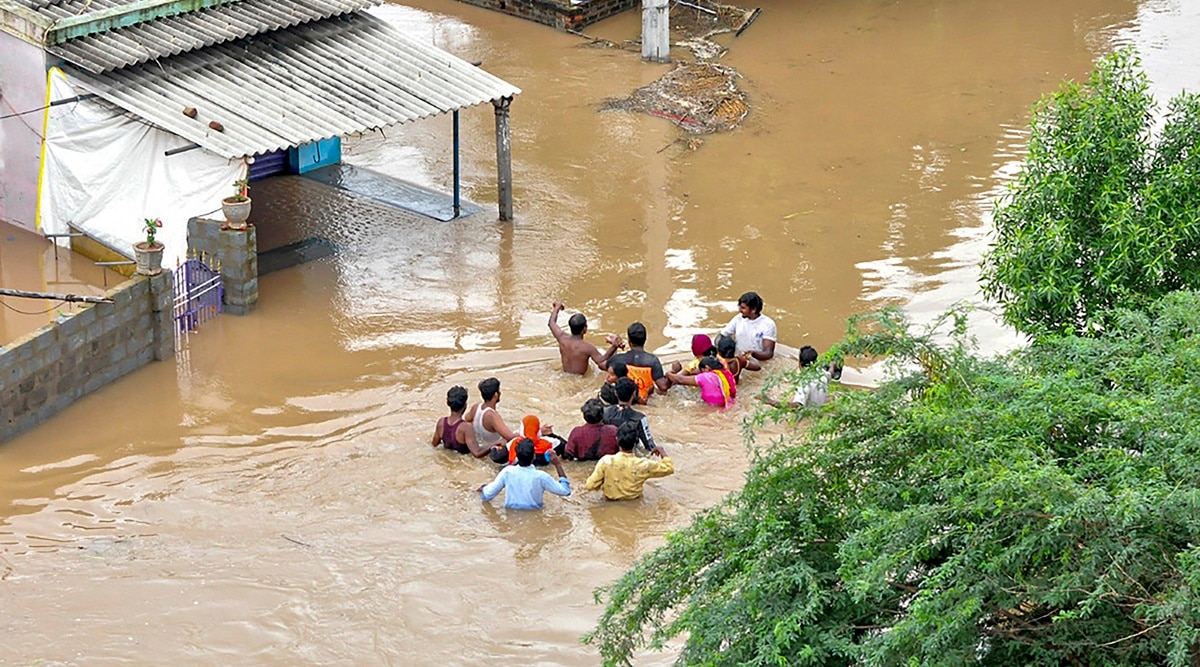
(574, 350)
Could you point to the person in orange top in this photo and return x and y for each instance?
(543, 437)
(644, 368)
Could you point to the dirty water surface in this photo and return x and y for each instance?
(271, 498)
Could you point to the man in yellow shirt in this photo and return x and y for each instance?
(622, 475)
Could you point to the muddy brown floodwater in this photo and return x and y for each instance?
(270, 499)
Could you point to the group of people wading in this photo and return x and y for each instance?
(613, 428)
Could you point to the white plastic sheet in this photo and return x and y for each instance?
(105, 171)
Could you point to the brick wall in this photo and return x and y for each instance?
(560, 14)
(45, 371)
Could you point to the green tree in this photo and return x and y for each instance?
(1105, 212)
(1037, 509)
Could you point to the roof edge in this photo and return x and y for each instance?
(23, 22)
(126, 15)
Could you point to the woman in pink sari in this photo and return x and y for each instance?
(717, 386)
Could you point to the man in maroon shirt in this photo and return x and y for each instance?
(595, 438)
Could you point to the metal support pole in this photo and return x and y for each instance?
(503, 159)
(60, 236)
(457, 174)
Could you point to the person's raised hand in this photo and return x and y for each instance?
(557, 305)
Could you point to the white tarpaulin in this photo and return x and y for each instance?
(104, 172)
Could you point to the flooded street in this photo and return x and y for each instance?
(271, 499)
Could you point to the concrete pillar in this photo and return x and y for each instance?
(656, 31)
(237, 253)
(162, 315)
(503, 159)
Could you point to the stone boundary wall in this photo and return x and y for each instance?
(47, 370)
(560, 14)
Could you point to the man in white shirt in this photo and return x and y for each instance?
(753, 331)
(814, 393)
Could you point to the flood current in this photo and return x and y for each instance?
(271, 497)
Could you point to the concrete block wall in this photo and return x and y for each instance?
(237, 253)
(45, 371)
(560, 14)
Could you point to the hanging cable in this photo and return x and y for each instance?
(55, 103)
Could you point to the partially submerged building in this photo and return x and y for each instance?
(561, 14)
(118, 110)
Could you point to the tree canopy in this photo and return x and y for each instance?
(1041, 508)
(1105, 210)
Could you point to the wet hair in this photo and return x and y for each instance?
(627, 435)
(808, 354)
(626, 389)
(710, 364)
(637, 334)
(618, 368)
(488, 388)
(524, 452)
(456, 398)
(593, 411)
(608, 394)
(577, 323)
(752, 300)
(726, 347)
(498, 454)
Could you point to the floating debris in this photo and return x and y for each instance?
(694, 22)
(703, 18)
(701, 98)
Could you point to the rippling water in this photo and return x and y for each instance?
(272, 499)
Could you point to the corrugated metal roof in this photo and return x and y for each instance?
(172, 35)
(59, 9)
(291, 86)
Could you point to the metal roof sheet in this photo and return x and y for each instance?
(59, 9)
(172, 35)
(295, 85)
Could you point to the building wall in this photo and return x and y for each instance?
(45, 371)
(22, 88)
(561, 14)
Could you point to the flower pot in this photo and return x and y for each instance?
(149, 257)
(236, 212)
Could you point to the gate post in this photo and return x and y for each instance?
(162, 321)
(237, 253)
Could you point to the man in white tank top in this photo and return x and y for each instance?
(490, 428)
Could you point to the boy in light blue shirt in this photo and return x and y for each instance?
(523, 484)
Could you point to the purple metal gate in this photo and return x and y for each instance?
(198, 295)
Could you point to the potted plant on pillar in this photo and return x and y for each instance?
(148, 253)
(237, 207)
